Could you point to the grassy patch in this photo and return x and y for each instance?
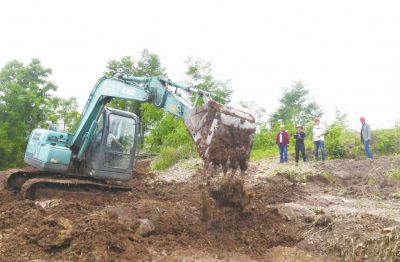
(169, 156)
(258, 154)
(376, 198)
(394, 174)
(371, 181)
(298, 177)
(328, 176)
(395, 156)
(396, 195)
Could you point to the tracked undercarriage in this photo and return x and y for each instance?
(30, 181)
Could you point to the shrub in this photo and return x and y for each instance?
(386, 141)
(334, 143)
(169, 156)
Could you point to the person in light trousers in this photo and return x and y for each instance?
(319, 132)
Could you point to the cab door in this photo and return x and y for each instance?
(114, 145)
(120, 142)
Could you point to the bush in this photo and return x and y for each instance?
(386, 141)
(334, 144)
(170, 138)
(169, 156)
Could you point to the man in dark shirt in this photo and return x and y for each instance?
(299, 147)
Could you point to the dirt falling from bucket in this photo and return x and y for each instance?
(230, 192)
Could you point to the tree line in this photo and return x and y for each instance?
(27, 101)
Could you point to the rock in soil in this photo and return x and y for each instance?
(145, 228)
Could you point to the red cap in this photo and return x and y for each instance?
(362, 118)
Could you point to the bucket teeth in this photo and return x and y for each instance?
(223, 135)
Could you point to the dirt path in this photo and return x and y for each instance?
(335, 211)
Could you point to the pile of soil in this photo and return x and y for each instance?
(336, 214)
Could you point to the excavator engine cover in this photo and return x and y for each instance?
(223, 135)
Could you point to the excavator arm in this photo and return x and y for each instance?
(142, 89)
(223, 135)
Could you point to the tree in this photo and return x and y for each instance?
(25, 103)
(65, 113)
(340, 118)
(149, 64)
(200, 74)
(296, 106)
(26, 91)
(259, 111)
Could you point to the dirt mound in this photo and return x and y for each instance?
(271, 218)
(361, 178)
(107, 229)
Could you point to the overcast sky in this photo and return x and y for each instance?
(347, 53)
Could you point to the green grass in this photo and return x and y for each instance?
(169, 156)
(394, 174)
(328, 176)
(296, 176)
(371, 181)
(258, 154)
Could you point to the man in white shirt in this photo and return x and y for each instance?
(319, 138)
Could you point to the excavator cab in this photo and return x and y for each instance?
(112, 152)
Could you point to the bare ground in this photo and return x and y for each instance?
(343, 210)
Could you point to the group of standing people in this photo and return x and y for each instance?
(319, 132)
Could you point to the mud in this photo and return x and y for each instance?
(338, 211)
(230, 192)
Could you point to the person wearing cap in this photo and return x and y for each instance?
(299, 146)
(365, 135)
(282, 140)
(319, 138)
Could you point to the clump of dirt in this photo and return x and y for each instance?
(142, 168)
(230, 192)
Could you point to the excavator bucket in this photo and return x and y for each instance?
(223, 135)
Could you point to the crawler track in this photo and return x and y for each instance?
(29, 181)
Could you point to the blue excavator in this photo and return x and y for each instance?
(101, 153)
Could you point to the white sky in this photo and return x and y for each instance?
(346, 52)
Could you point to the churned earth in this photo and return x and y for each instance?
(339, 210)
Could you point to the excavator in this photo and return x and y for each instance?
(102, 151)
